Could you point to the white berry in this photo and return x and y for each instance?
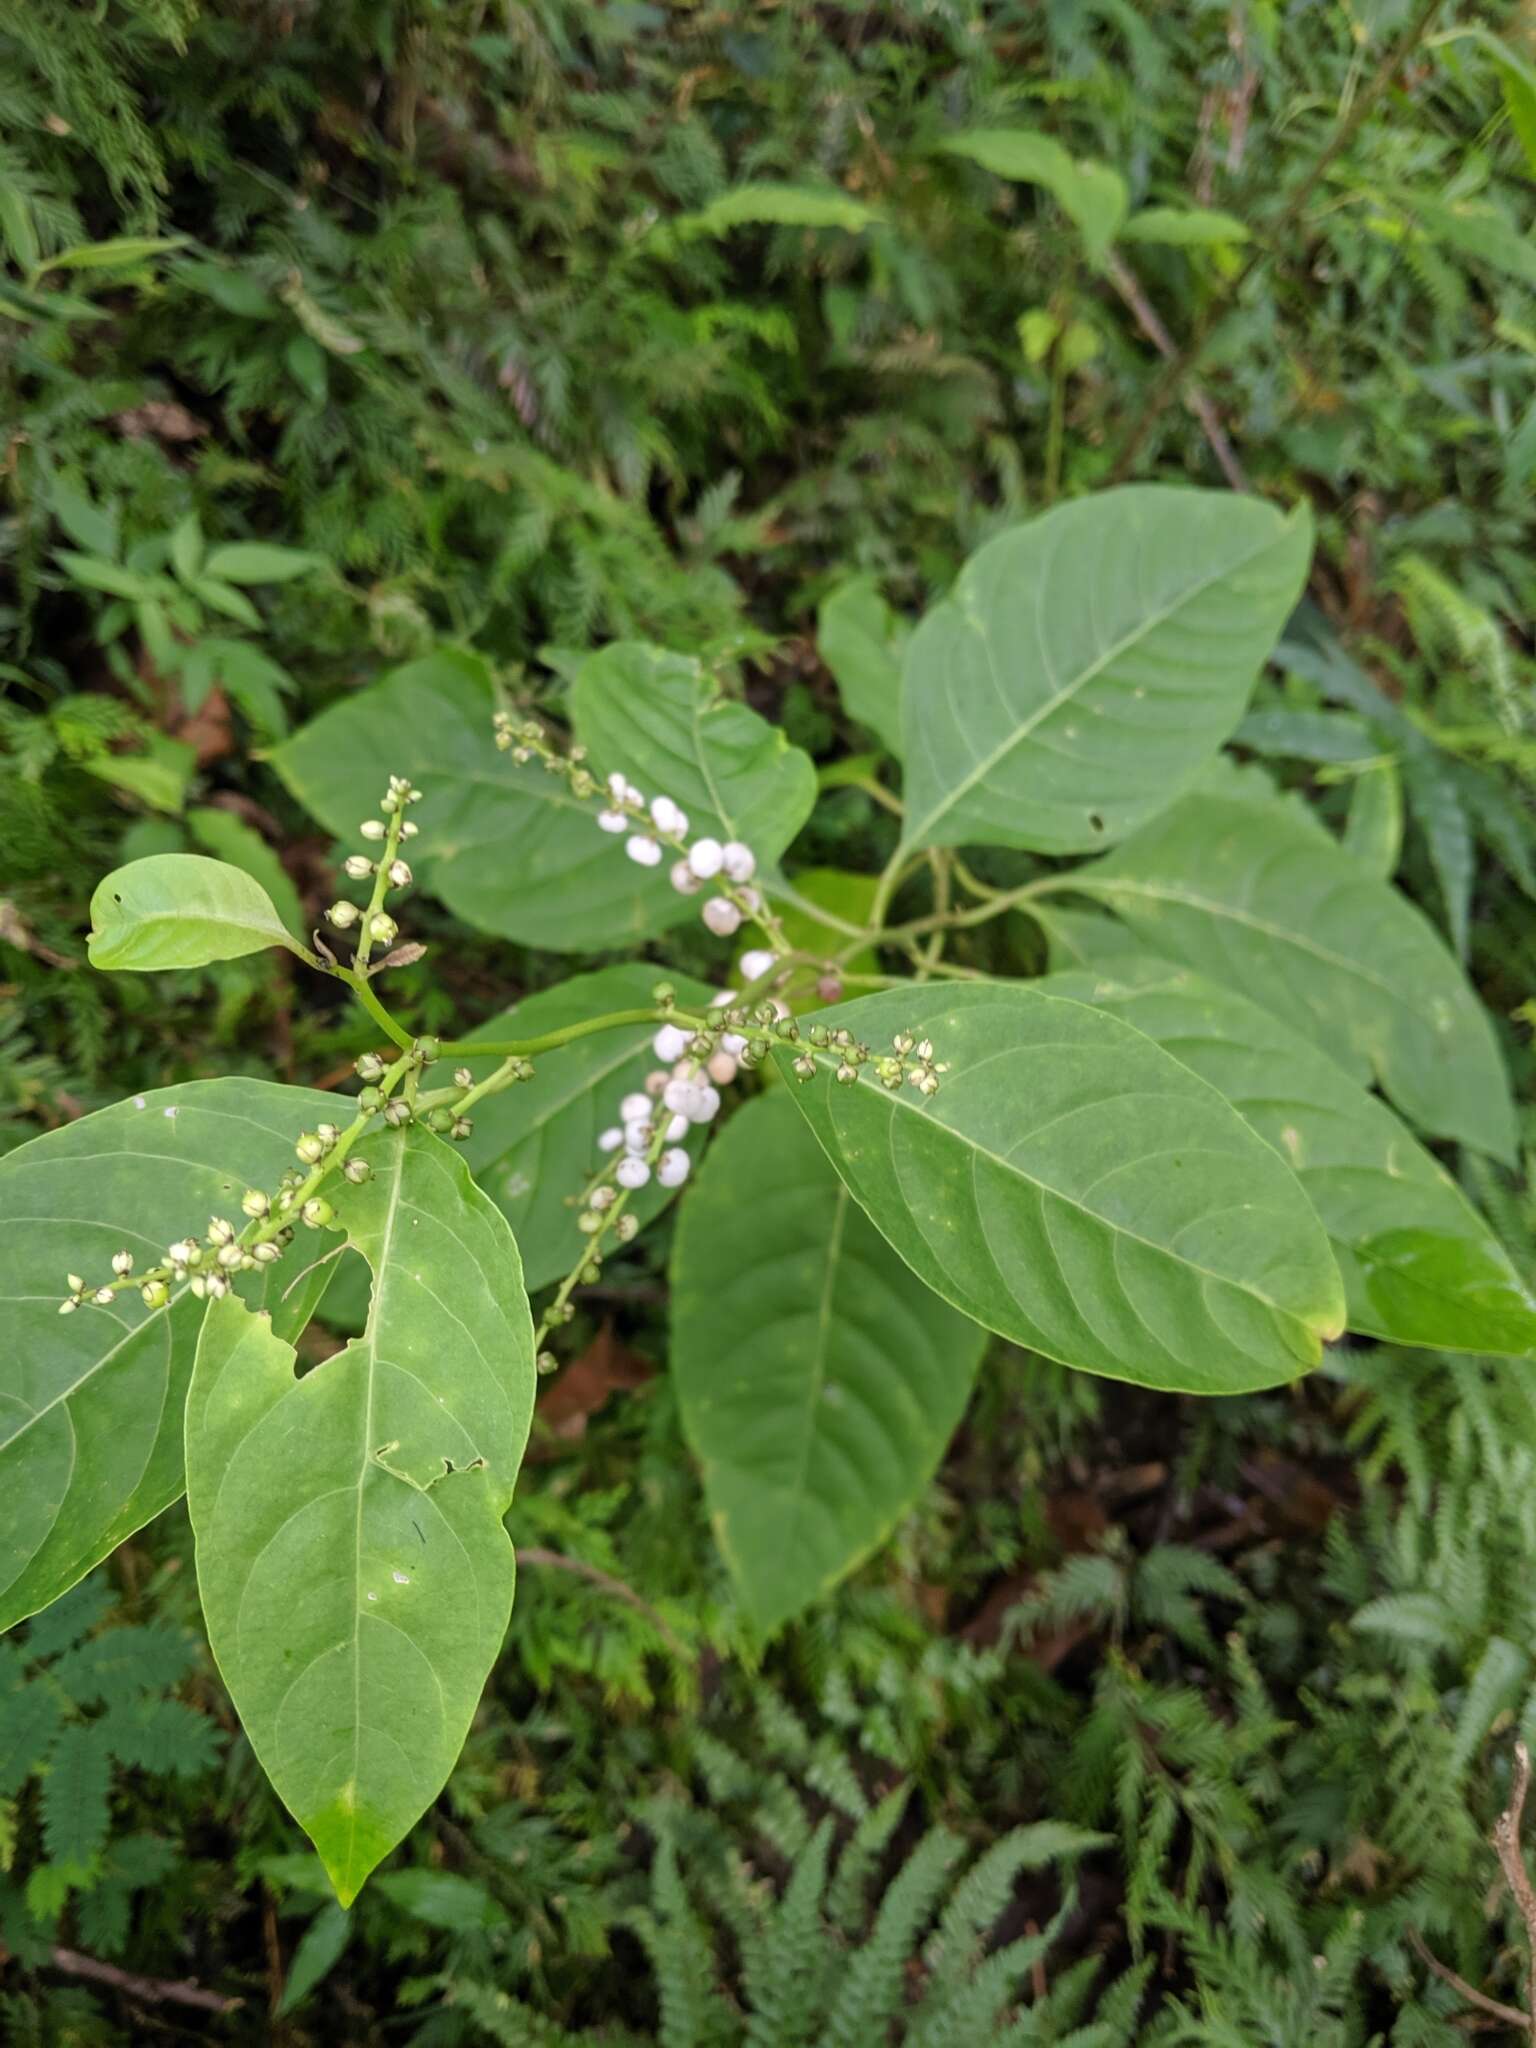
(613, 821)
(632, 1172)
(671, 1042)
(706, 857)
(757, 963)
(722, 917)
(646, 853)
(739, 861)
(672, 1168)
(636, 1105)
(611, 1139)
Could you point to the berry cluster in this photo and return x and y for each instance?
(650, 829)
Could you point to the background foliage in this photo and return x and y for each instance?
(1159, 1721)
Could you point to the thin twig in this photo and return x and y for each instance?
(609, 1584)
(1506, 1841)
(1125, 282)
(1221, 301)
(1511, 2015)
(149, 1990)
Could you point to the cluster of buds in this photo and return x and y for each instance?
(372, 921)
(208, 1264)
(649, 829)
(910, 1059)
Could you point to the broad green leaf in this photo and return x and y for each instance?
(1082, 938)
(1257, 899)
(259, 561)
(1075, 1188)
(1419, 1264)
(790, 206)
(534, 1146)
(862, 641)
(1093, 194)
(96, 528)
(506, 848)
(1088, 664)
(661, 719)
(90, 1403)
(231, 840)
(181, 910)
(354, 1571)
(818, 1378)
(1185, 226)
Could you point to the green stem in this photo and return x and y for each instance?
(395, 1033)
(380, 887)
(525, 1048)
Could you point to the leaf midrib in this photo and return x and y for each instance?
(914, 832)
(819, 1361)
(897, 1103)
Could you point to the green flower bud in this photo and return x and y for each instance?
(317, 1211)
(370, 1101)
(357, 1171)
(440, 1120)
(310, 1149)
(254, 1202)
(368, 1067)
(426, 1050)
(154, 1294)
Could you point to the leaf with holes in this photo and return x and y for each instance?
(818, 1378)
(1088, 664)
(90, 1404)
(1075, 1188)
(354, 1571)
(1259, 899)
(1420, 1266)
(536, 1144)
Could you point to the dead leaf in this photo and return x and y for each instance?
(583, 1387)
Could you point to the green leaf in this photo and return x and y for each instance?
(1373, 830)
(231, 840)
(1076, 1189)
(223, 597)
(316, 1956)
(660, 718)
(94, 527)
(1419, 1264)
(862, 642)
(535, 1144)
(440, 1898)
(847, 895)
(96, 574)
(31, 1717)
(90, 1403)
(260, 561)
(770, 205)
(121, 252)
(158, 775)
(506, 848)
(1093, 195)
(74, 1801)
(181, 910)
(1185, 226)
(354, 1571)
(1257, 898)
(818, 1379)
(1089, 663)
(186, 547)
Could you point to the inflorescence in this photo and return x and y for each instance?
(651, 830)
